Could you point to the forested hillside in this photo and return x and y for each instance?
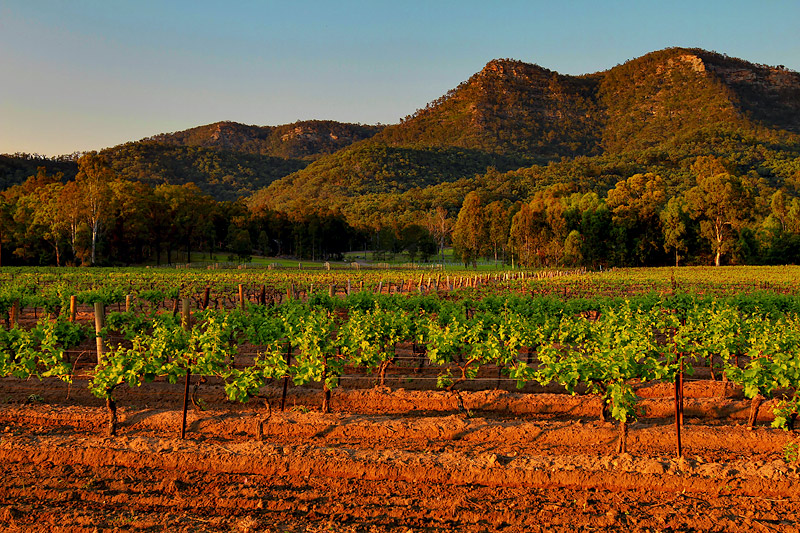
(655, 114)
(226, 160)
(15, 169)
(223, 174)
(510, 108)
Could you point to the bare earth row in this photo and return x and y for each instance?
(419, 464)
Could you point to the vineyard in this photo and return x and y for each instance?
(348, 384)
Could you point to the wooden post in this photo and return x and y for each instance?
(127, 303)
(14, 314)
(73, 307)
(331, 290)
(348, 286)
(680, 390)
(99, 324)
(263, 297)
(241, 296)
(186, 318)
(286, 377)
(206, 294)
(679, 408)
(185, 314)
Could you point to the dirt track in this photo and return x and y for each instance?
(386, 461)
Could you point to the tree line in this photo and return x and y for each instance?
(724, 218)
(100, 217)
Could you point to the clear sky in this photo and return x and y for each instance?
(87, 74)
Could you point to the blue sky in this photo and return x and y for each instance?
(87, 74)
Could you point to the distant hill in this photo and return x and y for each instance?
(15, 169)
(226, 160)
(223, 174)
(306, 140)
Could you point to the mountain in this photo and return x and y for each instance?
(508, 130)
(654, 113)
(675, 94)
(510, 108)
(223, 174)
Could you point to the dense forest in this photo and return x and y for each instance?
(679, 156)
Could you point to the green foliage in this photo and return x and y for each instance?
(38, 352)
(773, 350)
(605, 356)
(106, 296)
(791, 453)
(602, 345)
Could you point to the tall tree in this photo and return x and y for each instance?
(190, 213)
(48, 216)
(498, 225)
(440, 226)
(469, 233)
(521, 235)
(635, 205)
(94, 176)
(71, 209)
(132, 206)
(674, 225)
(721, 202)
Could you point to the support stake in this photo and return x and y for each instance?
(186, 319)
(99, 324)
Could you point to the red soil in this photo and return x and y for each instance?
(387, 460)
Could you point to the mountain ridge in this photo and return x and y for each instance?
(660, 109)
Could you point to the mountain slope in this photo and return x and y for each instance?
(223, 174)
(657, 112)
(372, 167)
